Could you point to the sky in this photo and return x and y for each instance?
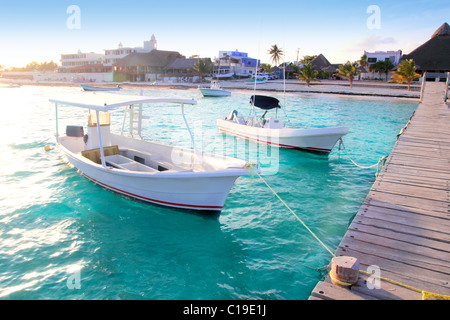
(340, 30)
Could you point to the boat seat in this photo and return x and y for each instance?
(95, 155)
(120, 162)
(152, 160)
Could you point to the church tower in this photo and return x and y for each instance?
(150, 45)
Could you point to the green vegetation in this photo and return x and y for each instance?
(307, 59)
(35, 66)
(382, 67)
(266, 67)
(406, 71)
(307, 73)
(275, 54)
(348, 71)
(202, 68)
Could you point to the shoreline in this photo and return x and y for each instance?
(363, 89)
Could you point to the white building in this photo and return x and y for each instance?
(111, 56)
(374, 57)
(235, 63)
(114, 55)
(79, 59)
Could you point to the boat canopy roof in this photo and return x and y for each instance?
(265, 102)
(109, 101)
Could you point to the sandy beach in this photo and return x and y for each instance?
(360, 88)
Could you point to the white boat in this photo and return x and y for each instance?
(92, 88)
(11, 85)
(214, 90)
(274, 132)
(222, 73)
(256, 81)
(150, 171)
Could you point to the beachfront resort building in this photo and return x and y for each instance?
(374, 57)
(101, 62)
(114, 55)
(183, 69)
(78, 61)
(235, 64)
(144, 66)
(433, 56)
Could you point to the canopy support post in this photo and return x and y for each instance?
(56, 114)
(100, 139)
(187, 126)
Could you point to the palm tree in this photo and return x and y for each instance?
(307, 73)
(201, 68)
(406, 71)
(349, 70)
(276, 54)
(363, 62)
(387, 66)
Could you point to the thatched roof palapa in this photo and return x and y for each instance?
(320, 63)
(154, 58)
(433, 55)
(184, 64)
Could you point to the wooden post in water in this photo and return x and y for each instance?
(424, 78)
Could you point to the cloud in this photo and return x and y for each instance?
(355, 49)
(373, 42)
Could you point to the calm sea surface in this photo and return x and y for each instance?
(62, 237)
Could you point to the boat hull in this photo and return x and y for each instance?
(252, 82)
(207, 92)
(91, 88)
(205, 191)
(314, 139)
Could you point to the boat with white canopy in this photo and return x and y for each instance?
(274, 131)
(215, 90)
(150, 171)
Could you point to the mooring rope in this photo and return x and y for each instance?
(379, 164)
(425, 294)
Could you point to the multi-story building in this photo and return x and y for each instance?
(235, 64)
(114, 55)
(79, 59)
(99, 62)
(374, 57)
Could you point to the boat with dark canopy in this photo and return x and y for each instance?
(274, 131)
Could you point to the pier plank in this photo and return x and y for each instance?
(403, 225)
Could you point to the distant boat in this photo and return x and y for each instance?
(257, 81)
(214, 90)
(11, 85)
(273, 131)
(227, 75)
(91, 88)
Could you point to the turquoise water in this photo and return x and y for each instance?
(62, 237)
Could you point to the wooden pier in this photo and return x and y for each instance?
(401, 233)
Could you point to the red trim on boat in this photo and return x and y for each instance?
(277, 144)
(153, 200)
